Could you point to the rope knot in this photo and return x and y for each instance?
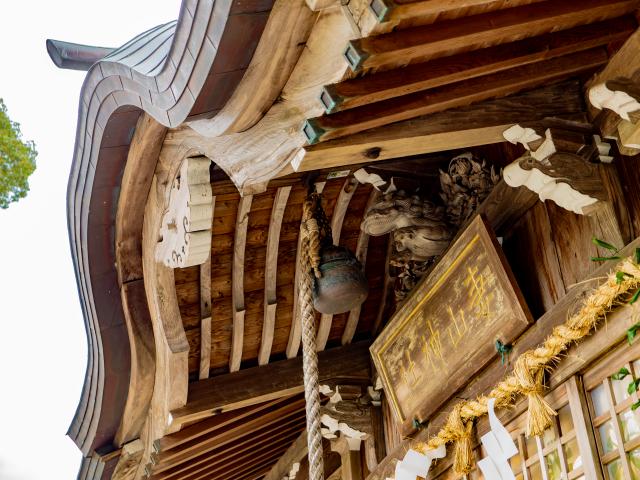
(530, 378)
(460, 431)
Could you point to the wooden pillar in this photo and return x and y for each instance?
(349, 451)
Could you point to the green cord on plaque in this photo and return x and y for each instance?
(503, 350)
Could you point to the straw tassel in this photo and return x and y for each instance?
(461, 432)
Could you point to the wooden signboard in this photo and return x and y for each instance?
(447, 329)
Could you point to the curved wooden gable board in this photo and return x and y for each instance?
(172, 72)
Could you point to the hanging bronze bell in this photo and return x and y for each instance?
(342, 285)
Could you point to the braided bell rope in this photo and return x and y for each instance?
(310, 249)
(528, 372)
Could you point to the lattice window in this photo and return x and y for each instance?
(616, 424)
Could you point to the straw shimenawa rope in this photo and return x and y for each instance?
(310, 249)
(528, 371)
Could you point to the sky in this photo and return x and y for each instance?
(43, 347)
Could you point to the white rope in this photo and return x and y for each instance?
(310, 258)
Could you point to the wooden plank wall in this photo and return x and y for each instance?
(549, 248)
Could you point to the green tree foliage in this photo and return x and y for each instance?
(17, 160)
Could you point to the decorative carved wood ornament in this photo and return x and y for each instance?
(619, 100)
(554, 170)
(418, 226)
(185, 233)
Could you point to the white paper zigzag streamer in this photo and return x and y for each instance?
(500, 448)
(415, 464)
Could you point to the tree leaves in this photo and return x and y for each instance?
(620, 276)
(603, 244)
(17, 160)
(607, 246)
(633, 386)
(620, 374)
(632, 331)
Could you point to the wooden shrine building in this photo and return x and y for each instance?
(480, 161)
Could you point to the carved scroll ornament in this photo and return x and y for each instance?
(417, 226)
(185, 233)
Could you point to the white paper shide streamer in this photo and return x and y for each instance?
(415, 464)
(500, 448)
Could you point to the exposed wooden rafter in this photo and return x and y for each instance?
(453, 95)
(213, 450)
(391, 11)
(296, 452)
(379, 86)
(337, 219)
(423, 43)
(237, 282)
(270, 279)
(361, 255)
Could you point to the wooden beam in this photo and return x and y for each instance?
(237, 282)
(575, 359)
(392, 11)
(361, 254)
(375, 87)
(459, 94)
(448, 37)
(259, 384)
(351, 468)
(462, 127)
(270, 271)
(337, 219)
(205, 310)
(296, 452)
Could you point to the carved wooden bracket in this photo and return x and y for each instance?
(348, 413)
(185, 233)
(349, 420)
(619, 119)
(558, 167)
